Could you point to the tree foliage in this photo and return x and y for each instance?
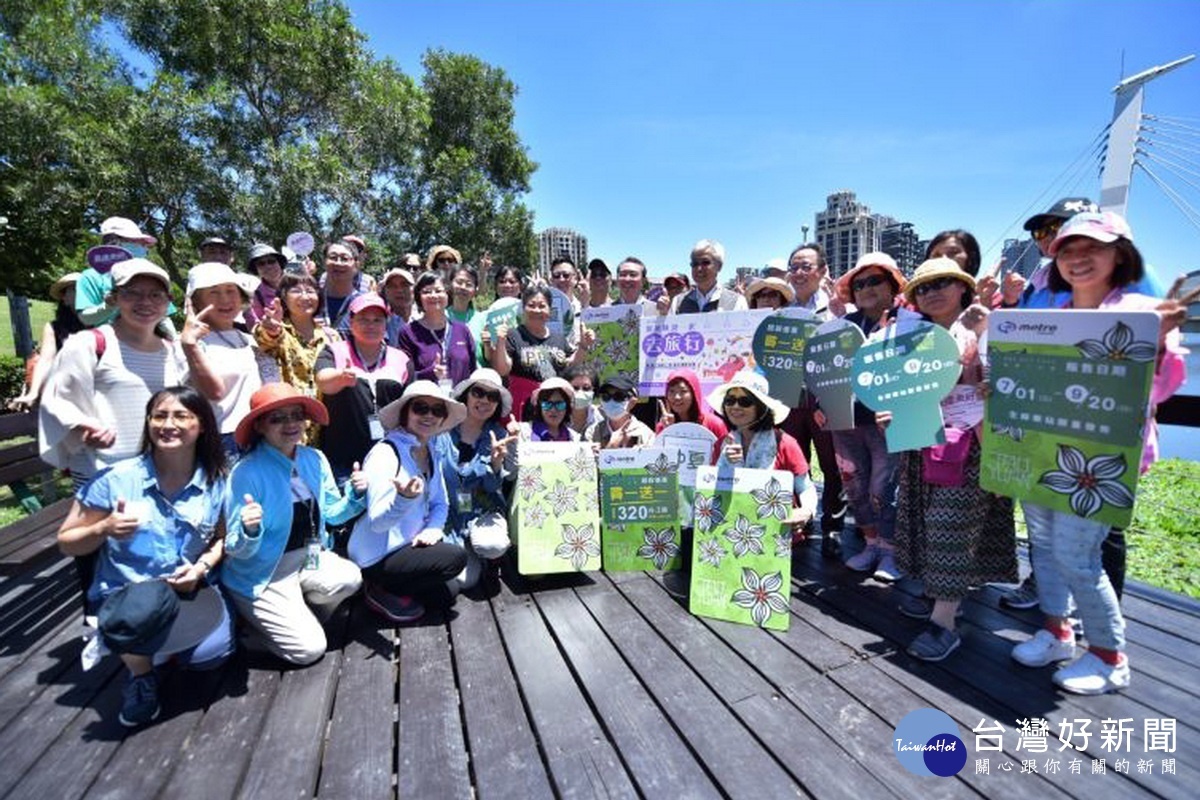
(248, 119)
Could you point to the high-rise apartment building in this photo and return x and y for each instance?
(899, 240)
(846, 229)
(1021, 255)
(554, 242)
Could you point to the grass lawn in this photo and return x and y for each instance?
(40, 312)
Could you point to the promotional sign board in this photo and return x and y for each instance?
(639, 509)
(555, 513)
(693, 446)
(615, 351)
(907, 369)
(1065, 419)
(778, 348)
(714, 346)
(741, 550)
(102, 257)
(828, 360)
(505, 311)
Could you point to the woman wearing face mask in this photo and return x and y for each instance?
(584, 414)
(684, 404)
(618, 427)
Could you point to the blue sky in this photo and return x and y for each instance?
(657, 124)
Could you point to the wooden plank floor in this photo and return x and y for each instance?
(592, 686)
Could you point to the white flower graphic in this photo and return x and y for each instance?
(773, 500)
(582, 465)
(1091, 482)
(711, 552)
(659, 546)
(578, 545)
(707, 509)
(761, 595)
(563, 498)
(631, 324)
(746, 537)
(1118, 344)
(662, 465)
(529, 480)
(535, 515)
(1014, 433)
(783, 544)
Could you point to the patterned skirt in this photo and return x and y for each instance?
(953, 537)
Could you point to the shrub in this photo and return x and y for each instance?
(12, 377)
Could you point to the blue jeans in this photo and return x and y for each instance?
(1065, 550)
(869, 477)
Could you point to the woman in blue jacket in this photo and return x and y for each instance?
(281, 495)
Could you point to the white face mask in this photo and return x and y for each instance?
(613, 409)
(583, 399)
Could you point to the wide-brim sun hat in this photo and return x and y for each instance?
(431, 259)
(763, 284)
(262, 250)
(271, 397)
(62, 284)
(389, 415)
(125, 271)
(1102, 226)
(555, 383)
(213, 273)
(489, 378)
(933, 269)
(845, 284)
(754, 384)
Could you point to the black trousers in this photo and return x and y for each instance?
(419, 571)
(800, 425)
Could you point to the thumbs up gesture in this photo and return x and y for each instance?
(439, 369)
(358, 479)
(251, 514)
(733, 449)
(411, 488)
(120, 524)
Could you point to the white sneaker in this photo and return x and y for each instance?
(866, 560)
(1088, 674)
(887, 571)
(1044, 648)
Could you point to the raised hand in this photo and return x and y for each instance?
(358, 479)
(587, 338)
(1010, 290)
(663, 303)
(500, 448)
(97, 435)
(411, 488)
(272, 319)
(119, 524)
(733, 449)
(1173, 311)
(665, 415)
(439, 369)
(195, 326)
(251, 514)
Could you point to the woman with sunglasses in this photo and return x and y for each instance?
(290, 332)
(282, 494)
(951, 537)
(868, 470)
(1095, 266)
(473, 455)
(755, 442)
(551, 402)
(400, 543)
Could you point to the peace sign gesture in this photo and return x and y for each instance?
(272, 318)
(665, 415)
(1173, 310)
(499, 448)
(195, 326)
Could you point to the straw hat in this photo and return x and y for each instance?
(754, 384)
(933, 269)
(777, 284)
(845, 284)
(62, 284)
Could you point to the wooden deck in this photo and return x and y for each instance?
(590, 686)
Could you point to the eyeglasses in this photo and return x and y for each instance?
(702, 262)
(618, 395)
(802, 266)
(178, 417)
(422, 409)
(867, 282)
(445, 260)
(136, 296)
(284, 417)
(1048, 230)
(553, 405)
(480, 393)
(743, 400)
(338, 258)
(935, 285)
(562, 276)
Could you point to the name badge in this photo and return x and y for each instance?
(376, 427)
(464, 501)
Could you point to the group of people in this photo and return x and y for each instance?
(306, 436)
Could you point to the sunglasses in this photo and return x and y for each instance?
(867, 282)
(619, 396)
(1048, 230)
(562, 276)
(445, 260)
(743, 400)
(935, 285)
(483, 394)
(423, 409)
(553, 405)
(284, 417)
(702, 262)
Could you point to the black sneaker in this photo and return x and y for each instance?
(934, 643)
(831, 547)
(1022, 597)
(677, 583)
(396, 608)
(140, 704)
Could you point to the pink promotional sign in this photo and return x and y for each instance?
(102, 257)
